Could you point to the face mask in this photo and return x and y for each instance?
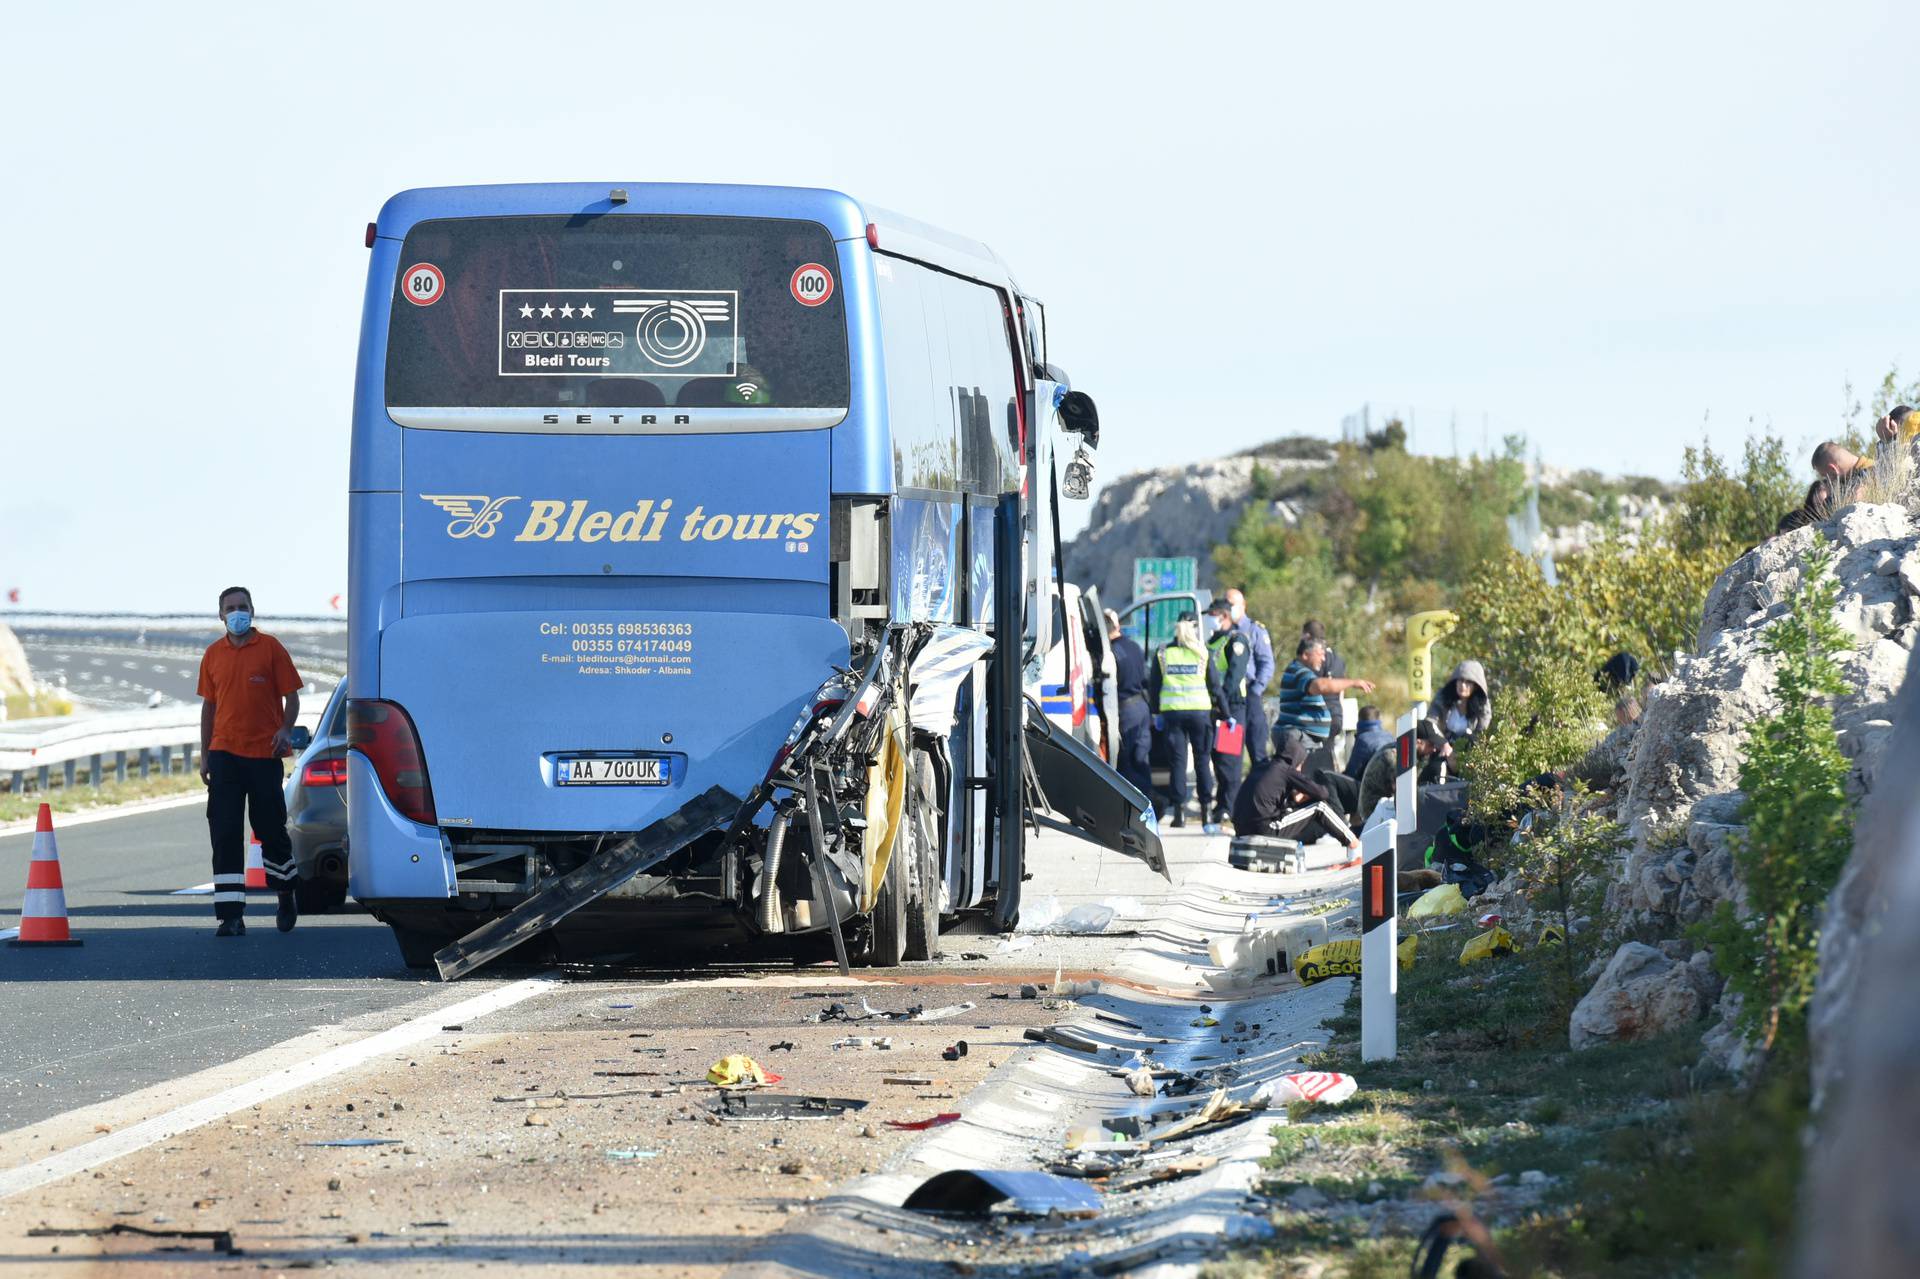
(239, 622)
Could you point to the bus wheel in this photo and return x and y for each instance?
(888, 944)
(920, 849)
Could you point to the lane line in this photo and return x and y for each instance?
(181, 1119)
(198, 890)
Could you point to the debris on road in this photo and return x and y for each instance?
(941, 1014)
(633, 1154)
(979, 1190)
(954, 1051)
(882, 1043)
(1062, 1037)
(356, 1141)
(759, 1105)
(1141, 1082)
(921, 1125)
(1329, 1088)
(222, 1240)
(737, 1070)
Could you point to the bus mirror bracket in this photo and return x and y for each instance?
(1078, 415)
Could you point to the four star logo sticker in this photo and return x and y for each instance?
(567, 311)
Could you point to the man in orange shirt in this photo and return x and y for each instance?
(250, 698)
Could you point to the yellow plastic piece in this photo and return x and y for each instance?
(886, 793)
(1342, 959)
(1436, 902)
(1495, 941)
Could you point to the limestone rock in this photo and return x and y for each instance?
(1641, 993)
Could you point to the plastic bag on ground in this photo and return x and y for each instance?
(1495, 941)
(1342, 959)
(737, 1070)
(1326, 1087)
(1436, 902)
(1048, 916)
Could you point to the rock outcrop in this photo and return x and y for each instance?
(15, 675)
(1643, 992)
(1187, 510)
(1680, 805)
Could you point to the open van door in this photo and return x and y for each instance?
(1150, 621)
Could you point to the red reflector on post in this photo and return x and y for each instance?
(1377, 891)
(373, 229)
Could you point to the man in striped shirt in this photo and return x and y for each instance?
(1304, 692)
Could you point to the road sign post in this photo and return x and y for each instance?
(1424, 630)
(1406, 783)
(1379, 944)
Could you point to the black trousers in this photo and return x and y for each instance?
(1228, 769)
(1259, 731)
(1136, 744)
(240, 788)
(1190, 734)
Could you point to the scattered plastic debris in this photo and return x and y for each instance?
(1329, 1088)
(954, 1051)
(765, 1105)
(941, 1014)
(883, 1043)
(1495, 941)
(633, 1154)
(1062, 1037)
(921, 1125)
(738, 1070)
(357, 1141)
(976, 1191)
(1204, 1022)
(908, 1081)
(1141, 1082)
(222, 1240)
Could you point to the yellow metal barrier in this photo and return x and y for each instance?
(1424, 630)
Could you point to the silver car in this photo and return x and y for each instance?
(317, 811)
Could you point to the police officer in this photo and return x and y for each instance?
(1259, 730)
(1180, 686)
(1230, 656)
(1136, 718)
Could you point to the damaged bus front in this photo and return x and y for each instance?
(674, 575)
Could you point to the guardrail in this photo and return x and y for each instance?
(116, 741)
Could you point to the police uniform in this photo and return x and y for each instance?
(1136, 717)
(1259, 728)
(1230, 657)
(1181, 680)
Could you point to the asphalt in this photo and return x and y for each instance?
(152, 994)
(122, 668)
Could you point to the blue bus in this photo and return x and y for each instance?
(696, 534)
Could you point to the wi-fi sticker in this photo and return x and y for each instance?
(747, 390)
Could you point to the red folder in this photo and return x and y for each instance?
(1229, 737)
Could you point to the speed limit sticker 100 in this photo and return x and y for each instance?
(423, 284)
(812, 284)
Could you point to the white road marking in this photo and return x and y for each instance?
(8, 934)
(149, 1132)
(197, 890)
(61, 821)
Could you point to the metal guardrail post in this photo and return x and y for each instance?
(93, 772)
(166, 761)
(19, 781)
(41, 780)
(186, 758)
(119, 766)
(146, 763)
(66, 773)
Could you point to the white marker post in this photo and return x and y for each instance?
(1379, 945)
(1406, 786)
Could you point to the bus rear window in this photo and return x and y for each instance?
(507, 323)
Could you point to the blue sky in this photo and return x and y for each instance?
(1611, 230)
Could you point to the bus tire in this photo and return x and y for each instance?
(887, 944)
(920, 847)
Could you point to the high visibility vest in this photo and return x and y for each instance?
(1183, 680)
(1218, 646)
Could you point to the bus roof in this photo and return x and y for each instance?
(844, 217)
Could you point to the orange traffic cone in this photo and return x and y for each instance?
(256, 866)
(43, 912)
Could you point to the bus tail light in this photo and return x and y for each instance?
(373, 230)
(384, 733)
(873, 236)
(325, 772)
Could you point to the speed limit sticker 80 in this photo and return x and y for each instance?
(423, 284)
(812, 284)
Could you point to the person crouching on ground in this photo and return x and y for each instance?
(1279, 787)
(250, 700)
(1383, 770)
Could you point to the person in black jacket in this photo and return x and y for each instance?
(1136, 718)
(1279, 787)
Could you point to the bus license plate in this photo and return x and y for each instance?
(645, 771)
